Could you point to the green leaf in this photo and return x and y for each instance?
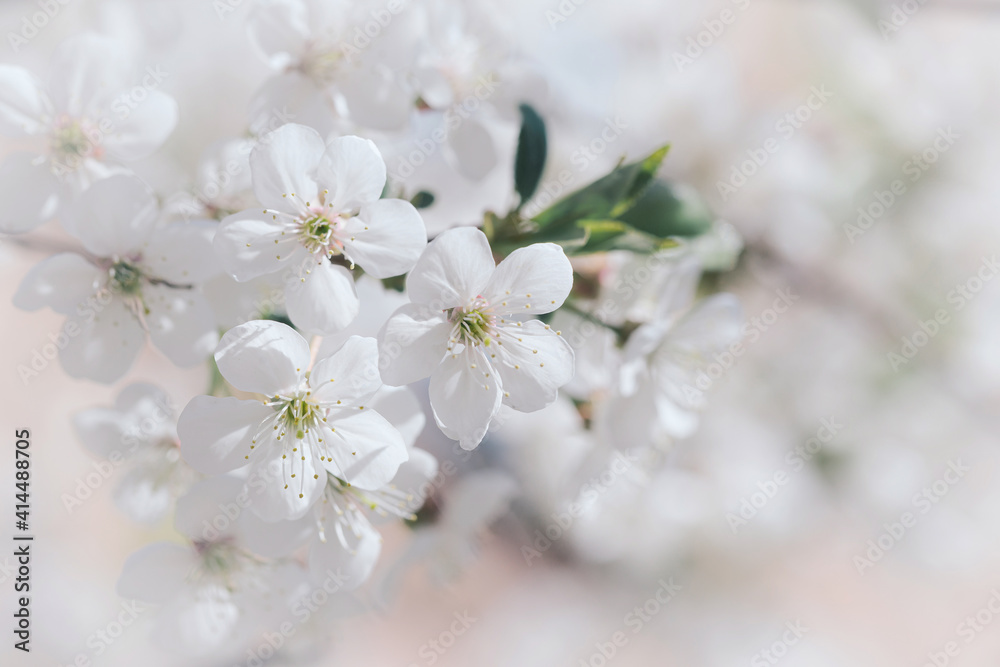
(422, 199)
(607, 197)
(669, 210)
(532, 148)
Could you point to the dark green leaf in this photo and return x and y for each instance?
(422, 199)
(606, 197)
(532, 147)
(665, 210)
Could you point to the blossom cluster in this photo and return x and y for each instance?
(337, 304)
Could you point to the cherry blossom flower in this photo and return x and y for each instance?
(658, 395)
(139, 434)
(342, 528)
(307, 422)
(136, 279)
(213, 594)
(465, 329)
(321, 206)
(89, 120)
(328, 68)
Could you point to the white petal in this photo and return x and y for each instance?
(142, 496)
(86, 72)
(115, 216)
(155, 572)
(412, 344)
(386, 238)
(711, 326)
(365, 448)
(678, 290)
(535, 279)
(22, 102)
(280, 29)
(354, 561)
(209, 510)
(414, 477)
(348, 377)
(455, 268)
(104, 340)
(263, 357)
(473, 149)
(269, 497)
(377, 304)
(321, 299)
(376, 99)
(181, 324)
(62, 282)
(287, 96)
(151, 408)
(215, 433)
(353, 171)
(284, 164)
(403, 410)
(182, 253)
(434, 87)
(465, 396)
(143, 414)
(274, 539)
(30, 193)
(533, 363)
(251, 244)
(144, 129)
(102, 430)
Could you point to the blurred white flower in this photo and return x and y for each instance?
(464, 329)
(137, 278)
(215, 596)
(322, 202)
(139, 432)
(307, 423)
(659, 392)
(90, 118)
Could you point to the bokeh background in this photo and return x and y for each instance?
(896, 78)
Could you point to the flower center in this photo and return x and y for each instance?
(126, 278)
(71, 141)
(300, 415)
(316, 232)
(475, 323)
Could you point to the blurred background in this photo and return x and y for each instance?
(775, 534)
